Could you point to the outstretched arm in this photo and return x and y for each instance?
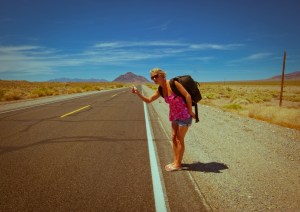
(150, 99)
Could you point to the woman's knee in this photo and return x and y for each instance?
(177, 140)
(174, 137)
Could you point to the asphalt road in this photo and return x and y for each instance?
(87, 154)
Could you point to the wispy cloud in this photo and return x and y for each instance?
(157, 48)
(123, 44)
(32, 59)
(165, 26)
(257, 56)
(206, 46)
(203, 59)
(10, 49)
(252, 57)
(25, 59)
(190, 46)
(161, 27)
(121, 51)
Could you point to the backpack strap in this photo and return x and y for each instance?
(174, 88)
(196, 112)
(160, 90)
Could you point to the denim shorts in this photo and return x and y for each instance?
(186, 122)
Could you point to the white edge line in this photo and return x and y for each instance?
(197, 188)
(159, 198)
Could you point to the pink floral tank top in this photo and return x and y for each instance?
(178, 108)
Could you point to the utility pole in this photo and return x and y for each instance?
(282, 79)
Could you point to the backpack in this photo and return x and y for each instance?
(190, 86)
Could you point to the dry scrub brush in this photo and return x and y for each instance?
(256, 99)
(288, 117)
(15, 90)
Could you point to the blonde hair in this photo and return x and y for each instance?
(158, 71)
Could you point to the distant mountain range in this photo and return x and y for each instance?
(129, 77)
(64, 79)
(291, 76)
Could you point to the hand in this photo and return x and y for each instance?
(134, 90)
(193, 115)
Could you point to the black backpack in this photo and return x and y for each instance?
(191, 87)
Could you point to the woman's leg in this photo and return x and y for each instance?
(174, 141)
(182, 130)
(178, 134)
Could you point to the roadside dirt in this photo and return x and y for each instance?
(241, 164)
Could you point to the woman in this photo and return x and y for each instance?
(181, 113)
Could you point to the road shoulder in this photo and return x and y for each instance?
(241, 164)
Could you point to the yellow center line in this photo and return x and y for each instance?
(118, 93)
(75, 111)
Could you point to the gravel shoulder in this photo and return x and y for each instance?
(238, 163)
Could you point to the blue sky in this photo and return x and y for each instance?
(213, 40)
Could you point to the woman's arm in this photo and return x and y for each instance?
(150, 99)
(187, 96)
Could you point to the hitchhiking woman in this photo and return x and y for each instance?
(180, 115)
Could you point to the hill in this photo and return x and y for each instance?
(291, 76)
(130, 77)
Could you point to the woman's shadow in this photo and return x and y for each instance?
(214, 167)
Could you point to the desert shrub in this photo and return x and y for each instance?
(78, 90)
(229, 89)
(72, 90)
(119, 86)
(212, 96)
(288, 117)
(292, 97)
(97, 88)
(14, 94)
(265, 97)
(2, 93)
(234, 96)
(240, 101)
(43, 91)
(254, 99)
(233, 107)
(226, 96)
(274, 94)
(87, 88)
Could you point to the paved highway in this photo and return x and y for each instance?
(87, 154)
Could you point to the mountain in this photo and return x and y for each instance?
(76, 80)
(291, 76)
(130, 77)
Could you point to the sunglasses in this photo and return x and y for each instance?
(155, 76)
